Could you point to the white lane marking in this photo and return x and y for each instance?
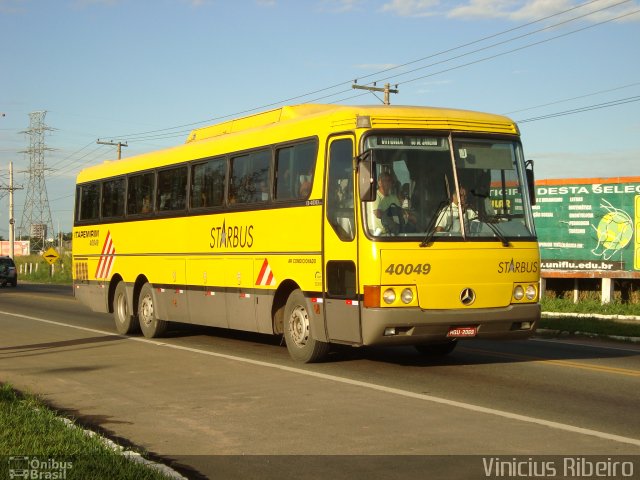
(372, 386)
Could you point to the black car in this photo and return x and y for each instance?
(8, 272)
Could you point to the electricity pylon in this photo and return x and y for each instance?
(36, 215)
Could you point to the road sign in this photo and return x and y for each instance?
(51, 255)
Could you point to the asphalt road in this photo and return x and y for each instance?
(231, 405)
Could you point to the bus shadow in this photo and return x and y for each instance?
(183, 330)
(492, 352)
(468, 352)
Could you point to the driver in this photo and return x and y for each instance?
(385, 198)
(449, 218)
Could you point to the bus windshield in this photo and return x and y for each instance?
(427, 184)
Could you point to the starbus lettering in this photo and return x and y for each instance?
(231, 236)
(517, 267)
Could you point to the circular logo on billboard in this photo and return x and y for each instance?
(614, 231)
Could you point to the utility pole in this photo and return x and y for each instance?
(387, 90)
(114, 144)
(12, 222)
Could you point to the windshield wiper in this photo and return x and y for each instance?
(486, 219)
(498, 233)
(431, 227)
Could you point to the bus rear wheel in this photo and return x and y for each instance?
(125, 322)
(437, 349)
(151, 326)
(297, 331)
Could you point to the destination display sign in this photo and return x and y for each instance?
(589, 224)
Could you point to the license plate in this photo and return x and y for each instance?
(462, 332)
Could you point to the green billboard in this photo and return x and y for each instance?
(589, 225)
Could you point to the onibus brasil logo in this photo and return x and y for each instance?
(614, 231)
(37, 468)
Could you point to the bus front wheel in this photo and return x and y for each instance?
(125, 322)
(151, 326)
(297, 331)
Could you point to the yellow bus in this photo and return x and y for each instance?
(355, 225)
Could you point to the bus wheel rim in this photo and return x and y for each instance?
(146, 310)
(121, 306)
(299, 326)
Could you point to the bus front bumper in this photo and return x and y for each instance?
(414, 326)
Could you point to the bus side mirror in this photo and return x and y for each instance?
(531, 181)
(367, 177)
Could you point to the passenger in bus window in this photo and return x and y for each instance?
(165, 201)
(345, 193)
(146, 205)
(264, 191)
(379, 208)
(304, 190)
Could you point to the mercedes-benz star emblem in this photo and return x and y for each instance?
(467, 296)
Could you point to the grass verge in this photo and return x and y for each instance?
(589, 306)
(34, 439)
(591, 325)
(588, 324)
(35, 268)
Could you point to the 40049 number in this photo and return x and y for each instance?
(408, 268)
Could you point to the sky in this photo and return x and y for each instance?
(146, 72)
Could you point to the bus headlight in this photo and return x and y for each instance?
(531, 292)
(406, 296)
(518, 293)
(525, 292)
(389, 296)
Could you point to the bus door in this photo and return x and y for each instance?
(342, 311)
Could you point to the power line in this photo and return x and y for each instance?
(170, 132)
(491, 57)
(523, 47)
(480, 40)
(599, 92)
(588, 108)
(74, 153)
(71, 167)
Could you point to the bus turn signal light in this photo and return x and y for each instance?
(372, 296)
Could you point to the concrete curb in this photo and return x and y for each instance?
(545, 332)
(129, 454)
(599, 316)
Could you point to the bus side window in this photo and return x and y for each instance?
(207, 183)
(140, 193)
(340, 206)
(284, 174)
(113, 198)
(172, 189)
(249, 178)
(341, 278)
(294, 171)
(89, 200)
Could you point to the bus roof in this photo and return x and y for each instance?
(380, 116)
(284, 120)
